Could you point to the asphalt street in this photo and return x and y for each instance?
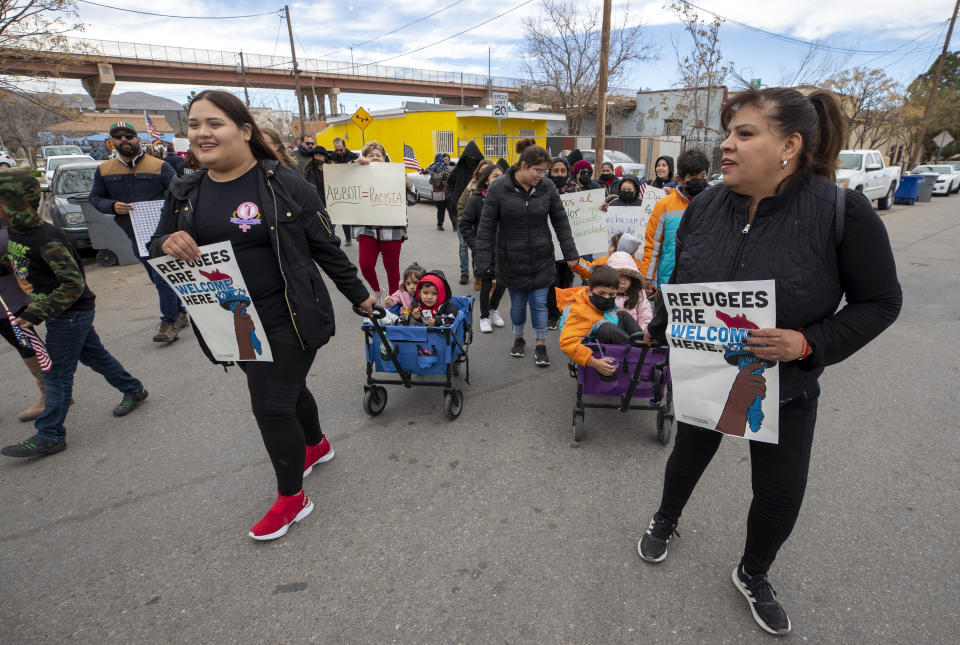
(494, 528)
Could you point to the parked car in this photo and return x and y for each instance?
(623, 164)
(947, 181)
(955, 164)
(866, 172)
(421, 182)
(69, 180)
(54, 151)
(52, 163)
(7, 160)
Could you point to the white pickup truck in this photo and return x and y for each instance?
(865, 171)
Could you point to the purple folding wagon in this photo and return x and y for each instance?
(641, 382)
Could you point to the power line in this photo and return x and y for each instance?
(935, 31)
(367, 42)
(791, 39)
(459, 33)
(166, 15)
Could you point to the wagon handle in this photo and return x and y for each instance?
(378, 312)
(636, 340)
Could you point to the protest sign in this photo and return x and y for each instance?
(145, 216)
(586, 222)
(216, 297)
(717, 383)
(633, 219)
(371, 195)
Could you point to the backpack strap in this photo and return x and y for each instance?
(839, 216)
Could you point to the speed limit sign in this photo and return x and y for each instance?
(501, 106)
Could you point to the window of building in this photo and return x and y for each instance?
(494, 146)
(525, 134)
(672, 127)
(443, 142)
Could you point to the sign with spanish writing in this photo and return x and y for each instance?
(717, 383)
(586, 222)
(371, 195)
(216, 297)
(633, 219)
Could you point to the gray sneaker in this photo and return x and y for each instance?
(183, 320)
(166, 333)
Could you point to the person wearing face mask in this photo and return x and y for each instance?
(561, 177)
(631, 192)
(608, 178)
(659, 239)
(583, 173)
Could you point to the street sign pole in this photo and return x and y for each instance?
(501, 110)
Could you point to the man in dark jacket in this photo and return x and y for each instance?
(303, 153)
(176, 161)
(50, 270)
(341, 154)
(134, 176)
(456, 184)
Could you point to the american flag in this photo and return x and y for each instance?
(29, 339)
(151, 126)
(410, 159)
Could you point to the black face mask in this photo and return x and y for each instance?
(693, 187)
(601, 303)
(606, 176)
(559, 180)
(584, 176)
(628, 196)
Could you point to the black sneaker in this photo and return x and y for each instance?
(540, 356)
(762, 600)
(518, 346)
(35, 446)
(464, 278)
(553, 322)
(652, 547)
(130, 403)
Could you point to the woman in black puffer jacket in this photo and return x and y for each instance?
(518, 211)
(776, 217)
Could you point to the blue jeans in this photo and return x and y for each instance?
(170, 305)
(538, 311)
(464, 254)
(71, 338)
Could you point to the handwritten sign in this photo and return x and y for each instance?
(633, 219)
(586, 222)
(216, 297)
(144, 216)
(717, 383)
(371, 195)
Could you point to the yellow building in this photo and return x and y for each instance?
(430, 129)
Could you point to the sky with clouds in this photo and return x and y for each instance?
(327, 28)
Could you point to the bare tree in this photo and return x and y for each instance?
(703, 70)
(813, 68)
(872, 103)
(30, 29)
(563, 56)
(23, 115)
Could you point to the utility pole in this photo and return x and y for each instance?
(296, 70)
(602, 89)
(914, 155)
(243, 73)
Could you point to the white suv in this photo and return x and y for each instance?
(7, 160)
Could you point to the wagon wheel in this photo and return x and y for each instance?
(665, 417)
(578, 426)
(452, 404)
(375, 400)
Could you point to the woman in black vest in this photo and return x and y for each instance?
(278, 252)
(775, 217)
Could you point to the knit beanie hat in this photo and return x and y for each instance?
(624, 264)
(580, 165)
(628, 244)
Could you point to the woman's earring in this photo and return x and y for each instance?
(783, 164)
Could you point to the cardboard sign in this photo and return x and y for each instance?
(145, 216)
(371, 195)
(586, 222)
(216, 297)
(633, 219)
(717, 383)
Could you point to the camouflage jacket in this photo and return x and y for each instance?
(45, 265)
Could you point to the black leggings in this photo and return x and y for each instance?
(619, 334)
(486, 300)
(564, 281)
(7, 332)
(443, 209)
(778, 475)
(285, 410)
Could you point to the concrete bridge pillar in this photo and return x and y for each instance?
(100, 87)
(334, 95)
(312, 105)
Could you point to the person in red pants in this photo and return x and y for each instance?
(381, 240)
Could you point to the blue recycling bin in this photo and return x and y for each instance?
(908, 189)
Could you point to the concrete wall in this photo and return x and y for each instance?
(651, 112)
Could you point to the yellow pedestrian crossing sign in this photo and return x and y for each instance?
(361, 118)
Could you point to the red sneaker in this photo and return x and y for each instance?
(318, 454)
(284, 512)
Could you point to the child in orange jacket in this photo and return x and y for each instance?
(593, 316)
